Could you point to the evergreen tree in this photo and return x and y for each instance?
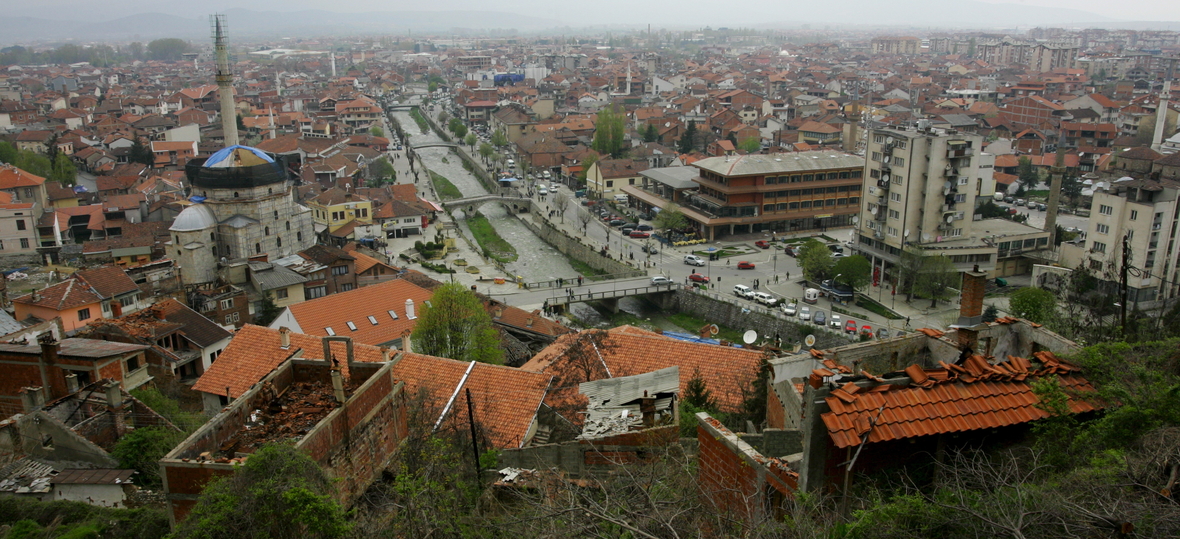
(688, 140)
(139, 153)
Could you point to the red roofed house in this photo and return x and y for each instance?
(35, 374)
(1030, 111)
(24, 187)
(86, 295)
(172, 155)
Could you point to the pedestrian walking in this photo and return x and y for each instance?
(788, 276)
(579, 280)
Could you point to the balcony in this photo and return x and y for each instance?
(955, 152)
(883, 184)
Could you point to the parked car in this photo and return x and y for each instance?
(1009, 199)
(660, 280)
(616, 222)
(639, 234)
(791, 309)
(850, 326)
(866, 330)
(645, 228)
(882, 333)
(835, 321)
(819, 318)
(745, 265)
(743, 291)
(765, 299)
(698, 278)
(694, 260)
(1020, 202)
(1042, 206)
(649, 250)
(805, 313)
(762, 244)
(791, 250)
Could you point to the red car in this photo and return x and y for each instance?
(745, 265)
(698, 278)
(639, 234)
(850, 326)
(763, 244)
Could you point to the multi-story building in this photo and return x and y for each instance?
(923, 186)
(767, 193)
(336, 207)
(897, 45)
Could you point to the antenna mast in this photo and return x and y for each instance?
(225, 81)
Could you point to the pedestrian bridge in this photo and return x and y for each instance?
(480, 199)
(401, 107)
(610, 297)
(434, 145)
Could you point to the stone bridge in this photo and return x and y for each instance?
(480, 199)
(434, 145)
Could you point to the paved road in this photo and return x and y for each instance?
(537, 296)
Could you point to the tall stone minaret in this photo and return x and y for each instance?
(225, 82)
(333, 65)
(1161, 117)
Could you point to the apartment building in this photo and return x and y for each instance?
(922, 188)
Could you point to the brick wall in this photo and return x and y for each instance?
(737, 477)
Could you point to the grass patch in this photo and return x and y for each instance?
(446, 189)
(493, 245)
(876, 308)
(691, 324)
(417, 116)
(584, 269)
(723, 253)
(1037, 193)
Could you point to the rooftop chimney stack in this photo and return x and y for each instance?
(31, 399)
(410, 309)
(338, 385)
(116, 408)
(72, 383)
(407, 346)
(971, 307)
(225, 81)
(285, 337)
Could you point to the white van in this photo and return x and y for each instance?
(743, 291)
(542, 190)
(620, 199)
(811, 296)
(511, 163)
(547, 174)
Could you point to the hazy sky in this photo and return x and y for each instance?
(655, 12)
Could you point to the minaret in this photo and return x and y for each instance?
(628, 78)
(1056, 179)
(333, 65)
(225, 82)
(271, 110)
(1161, 116)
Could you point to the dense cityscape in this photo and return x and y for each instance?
(648, 281)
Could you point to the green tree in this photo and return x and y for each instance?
(141, 450)
(1029, 177)
(279, 492)
(139, 153)
(376, 131)
(609, 132)
(485, 151)
(470, 140)
(64, 170)
(1071, 189)
(990, 313)
(1034, 304)
(650, 133)
(432, 86)
(669, 218)
(499, 140)
(167, 49)
(443, 117)
(587, 164)
(815, 259)
(855, 271)
(8, 152)
(696, 392)
(382, 171)
(936, 279)
(750, 145)
(688, 139)
(455, 325)
(268, 312)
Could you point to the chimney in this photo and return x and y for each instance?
(338, 385)
(499, 312)
(285, 337)
(116, 408)
(31, 399)
(647, 407)
(386, 354)
(410, 309)
(72, 383)
(406, 344)
(971, 307)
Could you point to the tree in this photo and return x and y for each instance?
(167, 49)
(1034, 304)
(815, 259)
(990, 313)
(139, 153)
(609, 132)
(455, 325)
(855, 271)
(1071, 189)
(141, 450)
(1029, 177)
(584, 218)
(650, 133)
(470, 140)
(64, 170)
(376, 131)
(751, 145)
(381, 171)
(697, 393)
(499, 140)
(278, 492)
(936, 279)
(561, 202)
(1146, 131)
(268, 312)
(587, 164)
(8, 152)
(485, 151)
(443, 117)
(688, 140)
(669, 218)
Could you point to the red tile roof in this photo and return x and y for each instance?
(974, 396)
(65, 295)
(108, 281)
(336, 310)
(11, 177)
(627, 350)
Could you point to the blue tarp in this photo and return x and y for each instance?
(224, 157)
(691, 338)
(196, 199)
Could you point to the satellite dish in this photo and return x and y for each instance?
(950, 218)
(750, 336)
(888, 140)
(713, 329)
(855, 219)
(809, 341)
(907, 233)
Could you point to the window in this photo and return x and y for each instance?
(299, 236)
(132, 363)
(372, 320)
(891, 231)
(1103, 229)
(1134, 214)
(830, 202)
(805, 204)
(276, 215)
(266, 231)
(279, 241)
(879, 139)
(20, 224)
(257, 248)
(363, 212)
(897, 179)
(83, 314)
(876, 156)
(24, 243)
(350, 325)
(345, 287)
(127, 301)
(854, 200)
(899, 161)
(288, 225)
(960, 198)
(281, 293)
(313, 292)
(610, 183)
(1, 245)
(339, 270)
(894, 214)
(329, 331)
(896, 197)
(1099, 247)
(1105, 210)
(227, 304)
(956, 232)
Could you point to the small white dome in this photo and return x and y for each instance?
(195, 217)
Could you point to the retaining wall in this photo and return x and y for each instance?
(742, 314)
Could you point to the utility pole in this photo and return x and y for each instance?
(474, 440)
(1123, 279)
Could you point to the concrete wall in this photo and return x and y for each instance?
(101, 495)
(584, 458)
(741, 315)
(574, 248)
